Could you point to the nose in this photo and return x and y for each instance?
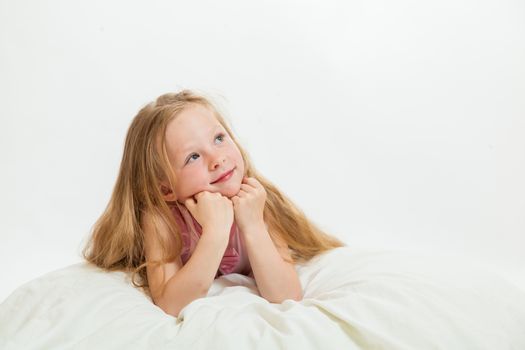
(218, 159)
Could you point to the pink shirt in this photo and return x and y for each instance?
(235, 259)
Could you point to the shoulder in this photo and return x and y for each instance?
(157, 235)
(161, 267)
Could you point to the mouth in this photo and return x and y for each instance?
(224, 176)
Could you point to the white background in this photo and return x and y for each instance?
(392, 124)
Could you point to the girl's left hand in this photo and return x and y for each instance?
(248, 204)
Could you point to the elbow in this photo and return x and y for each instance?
(297, 293)
(168, 308)
(281, 300)
(173, 305)
(295, 296)
(174, 313)
(298, 297)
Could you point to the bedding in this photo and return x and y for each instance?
(353, 299)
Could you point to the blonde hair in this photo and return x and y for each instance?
(117, 239)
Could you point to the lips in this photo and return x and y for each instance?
(223, 175)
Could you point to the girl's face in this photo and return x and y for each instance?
(200, 152)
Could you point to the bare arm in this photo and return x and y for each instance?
(276, 279)
(183, 283)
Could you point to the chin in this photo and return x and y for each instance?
(231, 191)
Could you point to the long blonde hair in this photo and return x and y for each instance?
(117, 239)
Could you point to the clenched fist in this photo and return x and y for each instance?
(213, 211)
(248, 204)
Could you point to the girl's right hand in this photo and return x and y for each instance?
(213, 211)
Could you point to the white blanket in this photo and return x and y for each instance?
(352, 300)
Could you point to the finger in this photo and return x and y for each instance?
(189, 203)
(246, 187)
(198, 196)
(249, 188)
(249, 182)
(241, 194)
(252, 182)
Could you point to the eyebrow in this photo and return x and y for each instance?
(184, 151)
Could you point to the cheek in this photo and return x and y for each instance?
(192, 181)
(240, 161)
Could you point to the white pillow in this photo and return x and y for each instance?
(352, 300)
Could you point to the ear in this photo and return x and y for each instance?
(167, 193)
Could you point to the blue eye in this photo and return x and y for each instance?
(221, 135)
(194, 154)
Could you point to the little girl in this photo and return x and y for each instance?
(188, 206)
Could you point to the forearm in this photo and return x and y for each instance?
(194, 279)
(276, 279)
